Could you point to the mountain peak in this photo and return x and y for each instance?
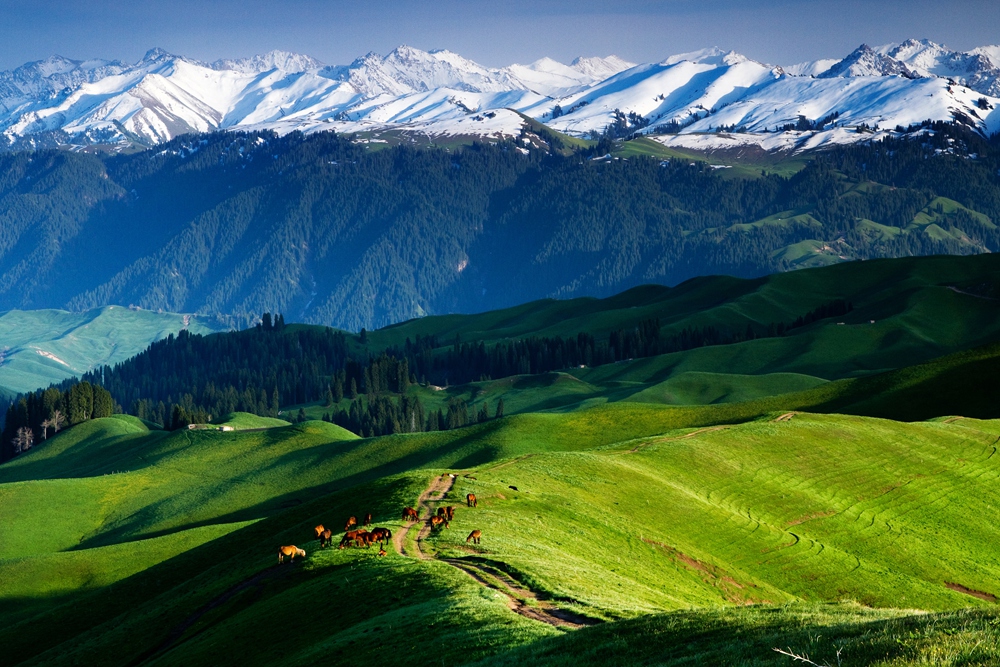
(866, 61)
(285, 61)
(155, 54)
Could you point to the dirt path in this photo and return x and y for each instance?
(785, 417)
(520, 599)
(977, 296)
(707, 429)
(426, 505)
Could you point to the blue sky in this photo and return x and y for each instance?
(493, 33)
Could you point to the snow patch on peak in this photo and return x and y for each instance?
(154, 55)
(866, 61)
(810, 68)
(598, 68)
(991, 53)
(284, 61)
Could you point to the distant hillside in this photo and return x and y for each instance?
(43, 347)
(326, 231)
(759, 345)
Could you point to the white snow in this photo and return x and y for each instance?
(440, 93)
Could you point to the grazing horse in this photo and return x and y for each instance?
(471, 500)
(348, 538)
(449, 513)
(325, 538)
(381, 535)
(474, 536)
(363, 538)
(436, 521)
(290, 551)
(410, 514)
(351, 521)
(368, 519)
(319, 530)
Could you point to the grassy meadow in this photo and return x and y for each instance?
(832, 493)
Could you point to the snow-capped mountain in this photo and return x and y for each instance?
(694, 99)
(866, 61)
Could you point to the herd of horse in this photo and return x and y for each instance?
(360, 537)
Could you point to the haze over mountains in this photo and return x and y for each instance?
(60, 101)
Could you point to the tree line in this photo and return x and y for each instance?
(190, 378)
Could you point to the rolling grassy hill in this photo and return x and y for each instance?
(921, 307)
(42, 347)
(832, 492)
(621, 512)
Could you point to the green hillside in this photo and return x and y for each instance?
(616, 515)
(42, 347)
(831, 492)
(905, 311)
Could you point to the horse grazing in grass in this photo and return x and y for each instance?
(410, 514)
(319, 530)
(348, 538)
(290, 551)
(474, 536)
(449, 513)
(368, 519)
(436, 521)
(381, 535)
(363, 538)
(325, 538)
(351, 521)
(471, 500)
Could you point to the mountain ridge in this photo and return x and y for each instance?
(64, 102)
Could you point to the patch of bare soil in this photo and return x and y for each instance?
(989, 597)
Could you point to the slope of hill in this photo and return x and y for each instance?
(43, 347)
(326, 232)
(836, 510)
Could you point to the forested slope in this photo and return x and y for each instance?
(328, 231)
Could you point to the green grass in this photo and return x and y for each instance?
(41, 347)
(661, 495)
(814, 509)
(748, 636)
(917, 317)
(242, 421)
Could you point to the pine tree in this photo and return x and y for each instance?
(499, 412)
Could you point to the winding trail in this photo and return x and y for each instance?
(520, 599)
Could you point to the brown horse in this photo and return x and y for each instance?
(471, 500)
(290, 551)
(325, 538)
(319, 530)
(351, 521)
(381, 535)
(363, 539)
(368, 519)
(474, 536)
(348, 538)
(449, 512)
(410, 514)
(436, 521)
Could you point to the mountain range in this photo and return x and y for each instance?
(690, 100)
